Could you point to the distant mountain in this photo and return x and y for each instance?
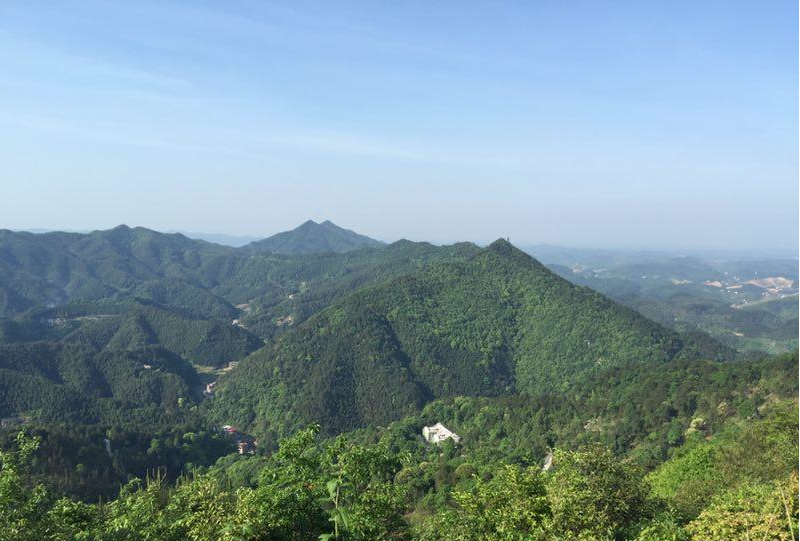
(698, 294)
(53, 268)
(130, 287)
(496, 323)
(311, 238)
(126, 290)
(197, 279)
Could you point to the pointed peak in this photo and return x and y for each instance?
(502, 246)
(312, 237)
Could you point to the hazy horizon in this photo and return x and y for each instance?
(676, 251)
(632, 127)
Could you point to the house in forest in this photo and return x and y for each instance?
(438, 433)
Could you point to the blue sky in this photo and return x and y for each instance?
(619, 124)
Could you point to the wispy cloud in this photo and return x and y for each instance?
(33, 61)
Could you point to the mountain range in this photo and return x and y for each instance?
(158, 338)
(54, 268)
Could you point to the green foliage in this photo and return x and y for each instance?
(21, 509)
(511, 506)
(758, 451)
(593, 492)
(663, 527)
(751, 511)
(337, 490)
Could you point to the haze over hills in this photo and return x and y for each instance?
(746, 304)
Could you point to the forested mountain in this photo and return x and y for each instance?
(162, 296)
(313, 238)
(53, 268)
(198, 278)
(496, 323)
(203, 301)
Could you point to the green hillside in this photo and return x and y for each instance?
(496, 323)
(131, 324)
(47, 382)
(53, 268)
(200, 280)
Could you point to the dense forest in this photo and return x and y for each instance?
(325, 354)
(739, 483)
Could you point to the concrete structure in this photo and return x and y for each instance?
(438, 433)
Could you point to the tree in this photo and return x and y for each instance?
(751, 511)
(22, 509)
(512, 506)
(594, 493)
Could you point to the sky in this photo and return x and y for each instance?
(657, 125)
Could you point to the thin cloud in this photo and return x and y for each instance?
(36, 54)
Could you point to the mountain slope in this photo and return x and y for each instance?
(311, 237)
(497, 323)
(76, 383)
(132, 324)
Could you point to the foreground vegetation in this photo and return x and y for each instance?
(738, 484)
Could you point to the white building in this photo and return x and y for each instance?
(438, 433)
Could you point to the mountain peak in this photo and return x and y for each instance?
(312, 237)
(501, 245)
(504, 248)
